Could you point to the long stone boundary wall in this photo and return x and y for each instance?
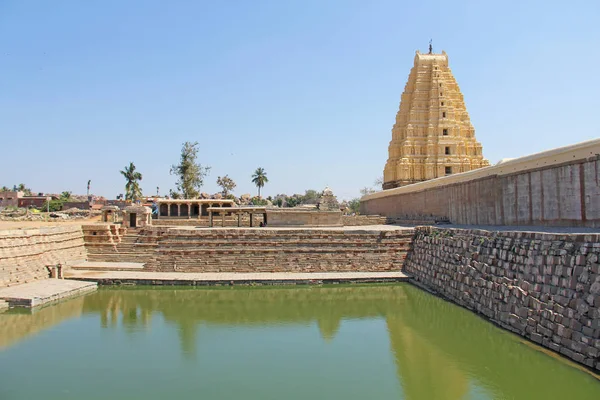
(25, 254)
(545, 287)
(560, 187)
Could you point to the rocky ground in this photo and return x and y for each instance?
(23, 218)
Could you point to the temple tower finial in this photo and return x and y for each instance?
(430, 46)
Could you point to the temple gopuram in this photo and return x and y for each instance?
(433, 135)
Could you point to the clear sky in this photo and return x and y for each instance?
(307, 89)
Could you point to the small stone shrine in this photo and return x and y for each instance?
(137, 216)
(327, 201)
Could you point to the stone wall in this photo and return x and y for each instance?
(230, 221)
(555, 188)
(265, 250)
(25, 254)
(545, 287)
(363, 220)
(299, 217)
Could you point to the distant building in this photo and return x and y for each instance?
(10, 199)
(34, 201)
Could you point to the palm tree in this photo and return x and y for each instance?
(132, 187)
(259, 178)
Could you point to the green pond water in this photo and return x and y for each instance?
(331, 342)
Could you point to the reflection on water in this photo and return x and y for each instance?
(303, 342)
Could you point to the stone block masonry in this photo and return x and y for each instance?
(268, 250)
(26, 254)
(255, 250)
(545, 287)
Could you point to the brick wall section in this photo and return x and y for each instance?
(264, 250)
(545, 287)
(24, 254)
(560, 195)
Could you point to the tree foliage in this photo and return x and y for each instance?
(65, 196)
(259, 178)
(190, 174)
(311, 197)
(22, 188)
(227, 184)
(257, 201)
(293, 201)
(132, 186)
(354, 205)
(55, 205)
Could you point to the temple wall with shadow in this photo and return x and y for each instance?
(559, 187)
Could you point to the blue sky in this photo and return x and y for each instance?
(306, 89)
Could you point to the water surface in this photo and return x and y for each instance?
(332, 342)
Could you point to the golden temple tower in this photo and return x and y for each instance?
(433, 135)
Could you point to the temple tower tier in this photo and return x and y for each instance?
(433, 135)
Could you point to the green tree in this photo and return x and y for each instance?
(174, 195)
(259, 178)
(189, 172)
(22, 188)
(227, 184)
(132, 186)
(292, 201)
(257, 201)
(354, 205)
(65, 196)
(310, 197)
(5, 189)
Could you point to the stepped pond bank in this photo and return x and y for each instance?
(542, 286)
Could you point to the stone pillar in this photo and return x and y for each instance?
(189, 210)
(178, 210)
(223, 218)
(210, 219)
(168, 210)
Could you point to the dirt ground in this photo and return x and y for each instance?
(51, 222)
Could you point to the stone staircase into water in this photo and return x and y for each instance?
(131, 245)
(168, 249)
(294, 250)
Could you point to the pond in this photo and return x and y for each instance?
(312, 342)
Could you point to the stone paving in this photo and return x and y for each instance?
(190, 278)
(35, 294)
(100, 265)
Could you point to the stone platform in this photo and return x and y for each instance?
(35, 294)
(106, 266)
(228, 278)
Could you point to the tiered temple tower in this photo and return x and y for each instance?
(433, 135)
